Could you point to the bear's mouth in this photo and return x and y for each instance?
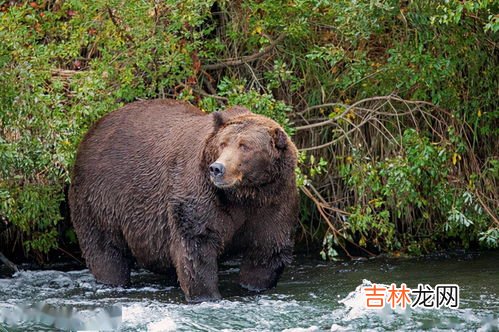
(221, 184)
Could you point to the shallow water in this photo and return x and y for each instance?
(312, 296)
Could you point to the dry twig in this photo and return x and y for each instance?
(117, 25)
(244, 59)
(375, 127)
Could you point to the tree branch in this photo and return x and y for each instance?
(244, 59)
(116, 24)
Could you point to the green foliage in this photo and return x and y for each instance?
(237, 93)
(34, 209)
(308, 168)
(405, 193)
(490, 238)
(330, 252)
(63, 66)
(451, 12)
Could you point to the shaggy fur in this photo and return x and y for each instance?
(141, 191)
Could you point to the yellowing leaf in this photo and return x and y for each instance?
(258, 30)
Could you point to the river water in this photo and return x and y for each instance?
(312, 295)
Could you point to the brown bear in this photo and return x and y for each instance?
(163, 184)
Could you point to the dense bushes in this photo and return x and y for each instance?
(400, 176)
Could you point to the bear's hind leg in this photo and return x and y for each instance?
(260, 276)
(268, 239)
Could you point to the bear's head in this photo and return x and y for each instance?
(248, 150)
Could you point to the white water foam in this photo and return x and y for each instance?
(355, 310)
(153, 317)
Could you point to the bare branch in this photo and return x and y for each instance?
(244, 59)
(486, 208)
(321, 204)
(203, 93)
(117, 25)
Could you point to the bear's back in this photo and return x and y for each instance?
(144, 127)
(145, 118)
(139, 152)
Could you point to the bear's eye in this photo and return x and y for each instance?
(244, 147)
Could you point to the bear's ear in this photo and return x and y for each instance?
(280, 138)
(222, 117)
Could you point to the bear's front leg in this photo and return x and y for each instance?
(195, 260)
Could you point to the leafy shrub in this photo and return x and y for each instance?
(374, 178)
(406, 193)
(64, 65)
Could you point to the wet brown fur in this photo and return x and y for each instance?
(141, 191)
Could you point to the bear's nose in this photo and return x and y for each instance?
(217, 169)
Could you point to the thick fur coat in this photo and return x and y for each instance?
(144, 189)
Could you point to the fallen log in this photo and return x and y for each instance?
(8, 263)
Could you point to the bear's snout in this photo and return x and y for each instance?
(217, 170)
